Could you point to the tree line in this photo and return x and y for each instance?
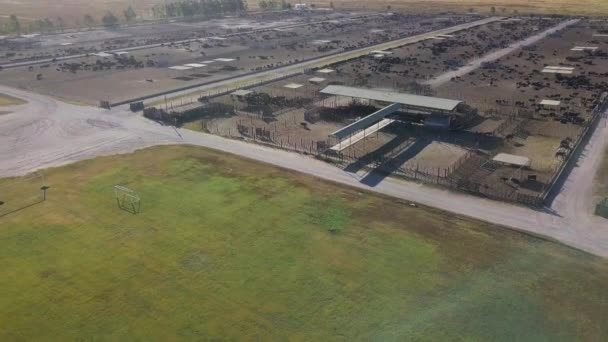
(268, 5)
(49, 25)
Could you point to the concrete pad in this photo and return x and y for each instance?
(550, 102)
(381, 52)
(102, 54)
(293, 85)
(584, 48)
(195, 65)
(225, 59)
(316, 80)
(558, 70)
(554, 71)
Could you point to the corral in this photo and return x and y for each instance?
(542, 119)
(124, 64)
(553, 69)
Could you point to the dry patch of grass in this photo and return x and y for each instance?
(6, 100)
(503, 7)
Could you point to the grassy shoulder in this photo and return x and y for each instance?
(227, 248)
(6, 100)
(602, 176)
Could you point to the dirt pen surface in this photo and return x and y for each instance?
(292, 113)
(213, 51)
(231, 249)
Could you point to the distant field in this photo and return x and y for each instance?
(583, 7)
(71, 10)
(229, 249)
(6, 100)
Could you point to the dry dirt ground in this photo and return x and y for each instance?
(90, 79)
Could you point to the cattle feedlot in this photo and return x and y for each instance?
(306, 172)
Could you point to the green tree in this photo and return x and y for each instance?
(109, 19)
(48, 25)
(130, 14)
(493, 10)
(60, 24)
(14, 25)
(89, 21)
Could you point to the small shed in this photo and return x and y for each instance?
(316, 80)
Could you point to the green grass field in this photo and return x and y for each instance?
(229, 249)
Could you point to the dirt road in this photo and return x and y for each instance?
(46, 133)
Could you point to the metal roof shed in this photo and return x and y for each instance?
(426, 102)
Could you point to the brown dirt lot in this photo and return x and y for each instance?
(90, 79)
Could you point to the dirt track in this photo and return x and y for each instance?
(46, 133)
